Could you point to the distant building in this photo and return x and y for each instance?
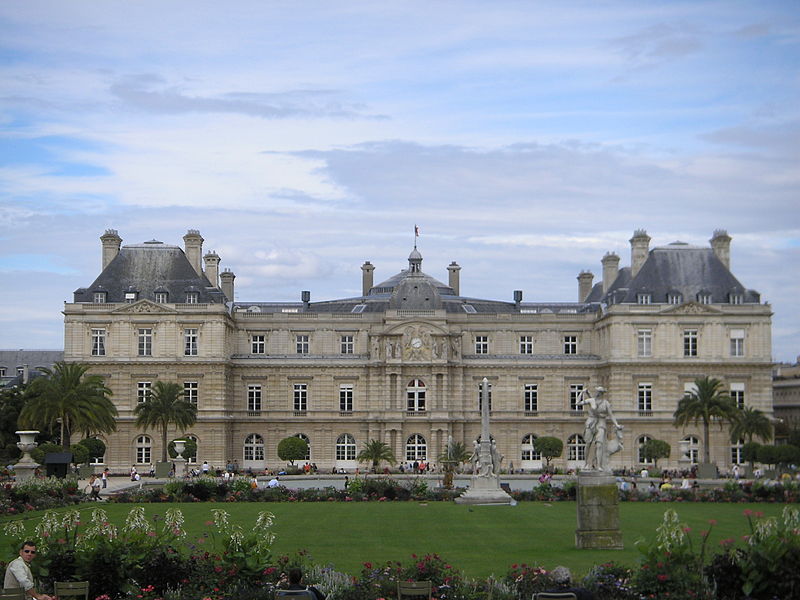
(786, 395)
(20, 366)
(402, 362)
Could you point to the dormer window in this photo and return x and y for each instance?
(99, 297)
(192, 297)
(735, 298)
(644, 298)
(674, 298)
(130, 297)
(358, 309)
(704, 298)
(162, 297)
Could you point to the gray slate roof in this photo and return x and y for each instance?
(147, 268)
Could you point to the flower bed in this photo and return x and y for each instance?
(153, 560)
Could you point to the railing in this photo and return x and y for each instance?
(531, 413)
(645, 413)
(300, 413)
(253, 413)
(415, 413)
(345, 413)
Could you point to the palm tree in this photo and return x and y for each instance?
(706, 402)
(68, 397)
(376, 451)
(165, 405)
(749, 422)
(454, 454)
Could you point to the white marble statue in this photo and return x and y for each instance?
(599, 412)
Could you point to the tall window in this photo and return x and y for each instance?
(528, 451)
(192, 297)
(304, 437)
(346, 397)
(481, 344)
(690, 342)
(143, 390)
(146, 342)
(190, 342)
(531, 397)
(645, 396)
(258, 344)
(99, 297)
(576, 447)
(737, 394)
(345, 447)
(692, 445)
(162, 297)
(143, 450)
(254, 398)
(254, 447)
(346, 344)
(526, 344)
(644, 342)
(301, 343)
(575, 390)
(416, 448)
(480, 395)
(640, 453)
(415, 395)
(570, 344)
(190, 392)
(737, 342)
(98, 342)
(737, 456)
(300, 397)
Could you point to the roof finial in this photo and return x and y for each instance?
(416, 235)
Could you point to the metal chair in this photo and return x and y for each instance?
(418, 589)
(555, 596)
(12, 594)
(296, 594)
(75, 589)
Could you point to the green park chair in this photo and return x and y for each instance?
(415, 589)
(72, 589)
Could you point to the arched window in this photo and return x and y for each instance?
(144, 447)
(254, 447)
(416, 448)
(528, 451)
(345, 447)
(415, 393)
(576, 447)
(692, 448)
(303, 436)
(192, 458)
(737, 457)
(640, 443)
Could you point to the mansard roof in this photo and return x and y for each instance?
(147, 268)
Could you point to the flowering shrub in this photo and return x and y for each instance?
(38, 494)
(610, 581)
(525, 580)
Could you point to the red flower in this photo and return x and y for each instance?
(662, 577)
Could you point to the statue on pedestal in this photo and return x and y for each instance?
(598, 448)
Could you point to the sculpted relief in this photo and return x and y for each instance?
(416, 342)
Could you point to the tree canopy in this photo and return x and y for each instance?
(655, 450)
(706, 402)
(292, 448)
(749, 422)
(165, 405)
(548, 447)
(375, 452)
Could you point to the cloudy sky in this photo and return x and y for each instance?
(302, 138)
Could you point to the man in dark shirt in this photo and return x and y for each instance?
(295, 583)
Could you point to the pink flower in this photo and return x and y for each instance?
(712, 522)
(662, 577)
(748, 512)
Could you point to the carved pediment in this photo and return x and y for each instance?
(413, 342)
(692, 308)
(144, 307)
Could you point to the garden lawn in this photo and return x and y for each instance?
(480, 540)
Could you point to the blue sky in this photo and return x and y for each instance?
(525, 138)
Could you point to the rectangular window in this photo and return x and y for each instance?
(645, 396)
(526, 344)
(690, 342)
(99, 297)
(190, 392)
(130, 297)
(346, 344)
(258, 344)
(531, 395)
(674, 298)
(737, 456)
(346, 397)
(190, 342)
(143, 454)
(575, 390)
(162, 297)
(254, 398)
(300, 397)
(143, 390)
(737, 342)
(192, 297)
(570, 344)
(301, 344)
(737, 394)
(644, 298)
(704, 298)
(2, 371)
(146, 342)
(98, 342)
(644, 342)
(481, 344)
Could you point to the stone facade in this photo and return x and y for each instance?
(403, 362)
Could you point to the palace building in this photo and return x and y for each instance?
(403, 361)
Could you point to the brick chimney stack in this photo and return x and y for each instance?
(226, 279)
(610, 269)
(584, 285)
(212, 261)
(366, 277)
(454, 279)
(721, 244)
(194, 249)
(111, 243)
(640, 247)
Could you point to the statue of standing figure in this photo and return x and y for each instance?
(598, 448)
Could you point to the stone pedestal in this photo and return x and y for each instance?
(485, 490)
(707, 471)
(180, 467)
(25, 469)
(598, 512)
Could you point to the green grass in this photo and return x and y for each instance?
(480, 540)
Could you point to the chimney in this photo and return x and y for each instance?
(194, 249)
(212, 261)
(640, 246)
(584, 285)
(111, 242)
(454, 279)
(517, 297)
(226, 278)
(721, 244)
(26, 374)
(610, 269)
(305, 296)
(366, 278)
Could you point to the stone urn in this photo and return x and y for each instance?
(26, 466)
(180, 446)
(179, 462)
